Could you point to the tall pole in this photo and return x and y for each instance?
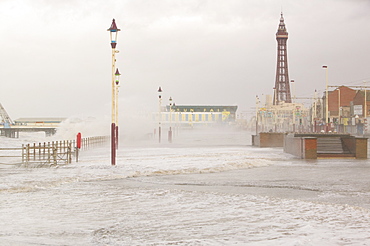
(339, 105)
(117, 74)
(293, 89)
(274, 110)
(326, 100)
(293, 120)
(365, 109)
(113, 31)
(365, 106)
(170, 131)
(312, 115)
(257, 104)
(339, 130)
(159, 113)
(315, 111)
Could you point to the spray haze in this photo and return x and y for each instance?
(200, 52)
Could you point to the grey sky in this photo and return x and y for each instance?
(56, 56)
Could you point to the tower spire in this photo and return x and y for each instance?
(282, 87)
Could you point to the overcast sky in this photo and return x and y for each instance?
(56, 55)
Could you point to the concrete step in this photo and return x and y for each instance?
(335, 155)
(330, 145)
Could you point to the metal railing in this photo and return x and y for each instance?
(50, 153)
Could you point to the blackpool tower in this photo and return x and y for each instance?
(282, 88)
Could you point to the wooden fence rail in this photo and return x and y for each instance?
(52, 153)
(47, 153)
(10, 149)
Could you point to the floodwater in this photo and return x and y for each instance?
(206, 188)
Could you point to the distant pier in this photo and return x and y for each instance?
(13, 132)
(47, 125)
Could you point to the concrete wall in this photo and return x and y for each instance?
(349, 143)
(306, 147)
(357, 146)
(268, 139)
(256, 140)
(302, 147)
(309, 149)
(293, 145)
(361, 148)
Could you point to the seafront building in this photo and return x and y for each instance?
(285, 117)
(348, 112)
(196, 115)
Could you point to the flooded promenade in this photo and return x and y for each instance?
(206, 188)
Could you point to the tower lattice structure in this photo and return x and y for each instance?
(282, 87)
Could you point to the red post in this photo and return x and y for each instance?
(79, 140)
(113, 144)
(78, 144)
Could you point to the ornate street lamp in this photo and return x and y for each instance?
(159, 113)
(113, 31)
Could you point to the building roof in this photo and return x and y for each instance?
(204, 108)
(40, 120)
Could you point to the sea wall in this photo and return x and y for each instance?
(268, 139)
(302, 147)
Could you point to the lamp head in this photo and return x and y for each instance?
(113, 30)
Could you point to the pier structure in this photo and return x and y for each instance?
(47, 125)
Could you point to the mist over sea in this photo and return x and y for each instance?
(209, 187)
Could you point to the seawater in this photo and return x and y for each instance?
(206, 188)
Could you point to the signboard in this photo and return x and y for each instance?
(357, 109)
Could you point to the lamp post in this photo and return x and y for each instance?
(314, 112)
(293, 87)
(170, 131)
(365, 107)
(159, 113)
(339, 115)
(117, 75)
(257, 105)
(365, 104)
(274, 110)
(177, 118)
(113, 31)
(294, 112)
(326, 100)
